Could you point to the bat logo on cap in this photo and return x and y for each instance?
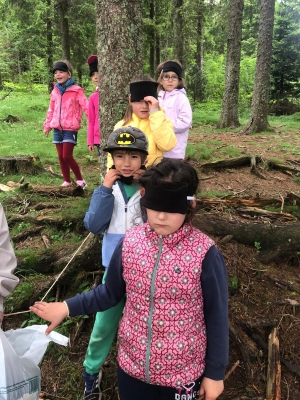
(124, 139)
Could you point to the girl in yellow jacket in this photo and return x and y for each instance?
(143, 112)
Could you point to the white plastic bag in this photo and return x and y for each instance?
(20, 352)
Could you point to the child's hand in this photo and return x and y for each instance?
(210, 389)
(52, 312)
(111, 177)
(46, 133)
(136, 175)
(91, 148)
(152, 102)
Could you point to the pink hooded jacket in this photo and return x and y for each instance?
(65, 110)
(93, 135)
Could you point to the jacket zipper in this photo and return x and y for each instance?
(61, 128)
(152, 290)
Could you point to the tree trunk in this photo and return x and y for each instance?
(119, 41)
(10, 165)
(151, 38)
(274, 240)
(63, 8)
(199, 81)
(260, 102)
(49, 45)
(229, 115)
(178, 31)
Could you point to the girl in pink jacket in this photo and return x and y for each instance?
(93, 134)
(67, 102)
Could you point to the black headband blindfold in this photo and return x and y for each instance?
(167, 198)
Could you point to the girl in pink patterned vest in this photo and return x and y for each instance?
(173, 337)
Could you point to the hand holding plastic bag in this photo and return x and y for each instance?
(20, 352)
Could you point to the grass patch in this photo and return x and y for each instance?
(24, 290)
(231, 151)
(214, 193)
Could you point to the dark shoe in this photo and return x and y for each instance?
(92, 389)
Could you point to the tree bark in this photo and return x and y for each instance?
(275, 239)
(10, 165)
(49, 45)
(260, 102)
(119, 42)
(63, 8)
(178, 31)
(229, 115)
(198, 82)
(151, 38)
(274, 368)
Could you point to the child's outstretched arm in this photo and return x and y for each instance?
(52, 312)
(100, 298)
(211, 389)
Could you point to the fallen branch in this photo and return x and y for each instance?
(274, 368)
(282, 167)
(258, 212)
(286, 285)
(46, 241)
(276, 239)
(294, 198)
(27, 232)
(235, 202)
(230, 163)
(246, 359)
(235, 365)
(291, 367)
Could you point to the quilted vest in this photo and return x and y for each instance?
(162, 335)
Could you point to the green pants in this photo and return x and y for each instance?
(103, 334)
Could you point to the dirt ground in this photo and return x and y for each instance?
(262, 297)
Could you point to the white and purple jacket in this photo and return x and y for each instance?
(178, 109)
(175, 322)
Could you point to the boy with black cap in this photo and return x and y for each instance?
(143, 112)
(114, 207)
(93, 134)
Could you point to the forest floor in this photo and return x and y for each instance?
(262, 296)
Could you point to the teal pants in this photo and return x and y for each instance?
(103, 334)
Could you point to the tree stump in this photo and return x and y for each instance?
(28, 165)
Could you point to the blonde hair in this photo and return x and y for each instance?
(181, 81)
(128, 113)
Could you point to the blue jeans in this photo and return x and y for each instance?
(64, 136)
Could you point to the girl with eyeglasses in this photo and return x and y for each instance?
(173, 99)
